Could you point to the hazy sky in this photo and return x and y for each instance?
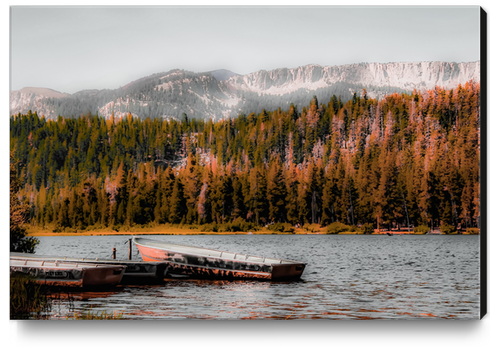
(73, 48)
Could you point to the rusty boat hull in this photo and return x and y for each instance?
(196, 262)
(136, 272)
(66, 274)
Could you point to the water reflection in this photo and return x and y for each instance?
(347, 277)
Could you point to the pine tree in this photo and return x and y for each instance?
(166, 188)
(329, 196)
(303, 207)
(203, 203)
(291, 195)
(176, 203)
(239, 210)
(276, 192)
(191, 179)
(104, 208)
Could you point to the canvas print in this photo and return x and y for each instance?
(237, 163)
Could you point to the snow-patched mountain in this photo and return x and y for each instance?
(409, 76)
(223, 74)
(222, 93)
(31, 98)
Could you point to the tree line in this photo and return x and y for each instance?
(406, 159)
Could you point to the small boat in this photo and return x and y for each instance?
(67, 274)
(197, 262)
(137, 272)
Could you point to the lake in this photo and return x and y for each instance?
(347, 277)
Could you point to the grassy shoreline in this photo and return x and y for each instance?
(157, 230)
(165, 229)
(174, 229)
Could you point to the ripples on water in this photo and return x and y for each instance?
(347, 277)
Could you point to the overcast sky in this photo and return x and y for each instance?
(73, 48)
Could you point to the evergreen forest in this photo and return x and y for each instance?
(405, 159)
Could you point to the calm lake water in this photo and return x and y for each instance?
(347, 277)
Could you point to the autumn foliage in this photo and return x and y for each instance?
(402, 160)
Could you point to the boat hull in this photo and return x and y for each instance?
(136, 272)
(68, 274)
(185, 265)
(150, 273)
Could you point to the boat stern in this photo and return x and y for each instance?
(104, 275)
(287, 271)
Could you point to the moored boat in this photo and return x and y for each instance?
(66, 274)
(136, 272)
(197, 262)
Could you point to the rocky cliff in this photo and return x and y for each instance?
(409, 76)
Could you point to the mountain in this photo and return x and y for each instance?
(221, 93)
(222, 75)
(409, 76)
(31, 98)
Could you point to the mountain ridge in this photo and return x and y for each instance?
(222, 93)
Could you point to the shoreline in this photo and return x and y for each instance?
(149, 232)
(157, 230)
(37, 232)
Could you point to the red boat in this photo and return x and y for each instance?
(197, 262)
